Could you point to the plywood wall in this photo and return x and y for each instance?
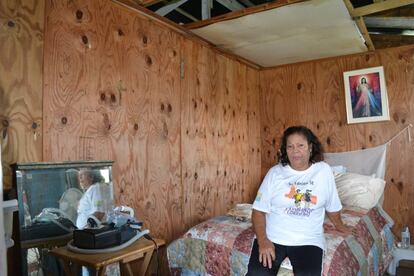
(21, 59)
(312, 94)
(180, 121)
(219, 129)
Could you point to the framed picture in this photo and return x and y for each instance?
(366, 95)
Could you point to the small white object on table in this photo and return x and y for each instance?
(400, 254)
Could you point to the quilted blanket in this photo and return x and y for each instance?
(222, 246)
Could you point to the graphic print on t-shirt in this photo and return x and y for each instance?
(302, 198)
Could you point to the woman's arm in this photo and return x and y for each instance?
(266, 248)
(335, 217)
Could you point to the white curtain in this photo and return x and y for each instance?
(3, 252)
(367, 162)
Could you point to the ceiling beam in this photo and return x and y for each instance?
(169, 7)
(247, 3)
(398, 22)
(243, 12)
(379, 6)
(232, 5)
(206, 9)
(364, 32)
(359, 21)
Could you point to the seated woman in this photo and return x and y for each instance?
(290, 206)
(97, 198)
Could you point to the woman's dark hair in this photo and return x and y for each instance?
(316, 146)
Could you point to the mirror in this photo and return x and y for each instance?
(53, 199)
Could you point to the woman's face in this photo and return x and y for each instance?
(85, 179)
(298, 151)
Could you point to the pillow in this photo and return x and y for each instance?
(358, 190)
(338, 169)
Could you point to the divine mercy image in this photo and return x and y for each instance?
(365, 92)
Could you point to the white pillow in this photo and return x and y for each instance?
(359, 190)
(338, 169)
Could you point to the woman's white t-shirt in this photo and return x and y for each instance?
(295, 203)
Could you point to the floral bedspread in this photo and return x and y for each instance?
(222, 246)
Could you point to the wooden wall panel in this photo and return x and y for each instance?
(21, 56)
(181, 144)
(312, 94)
(218, 95)
(252, 164)
(112, 91)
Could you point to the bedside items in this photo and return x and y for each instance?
(400, 254)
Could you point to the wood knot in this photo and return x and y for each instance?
(103, 96)
(400, 186)
(317, 126)
(206, 106)
(367, 57)
(120, 32)
(85, 39)
(79, 14)
(234, 113)
(11, 24)
(242, 170)
(113, 98)
(395, 117)
(328, 141)
(299, 86)
(136, 126)
(195, 175)
(144, 39)
(273, 141)
(148, 60)
(403, 121)
(34, 125)
(225, 173)
(162, 107)
(64, 120)
(5, 123)
(169, 108)
(370, 138)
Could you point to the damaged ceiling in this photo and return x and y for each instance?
(271, 33)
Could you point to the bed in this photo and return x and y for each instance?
(222, 246)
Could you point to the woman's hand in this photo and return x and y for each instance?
(267, 252)
(344, 229)
(335, 218)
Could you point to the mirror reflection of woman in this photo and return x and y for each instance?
(96, 199)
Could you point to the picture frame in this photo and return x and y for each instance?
(366, 95)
